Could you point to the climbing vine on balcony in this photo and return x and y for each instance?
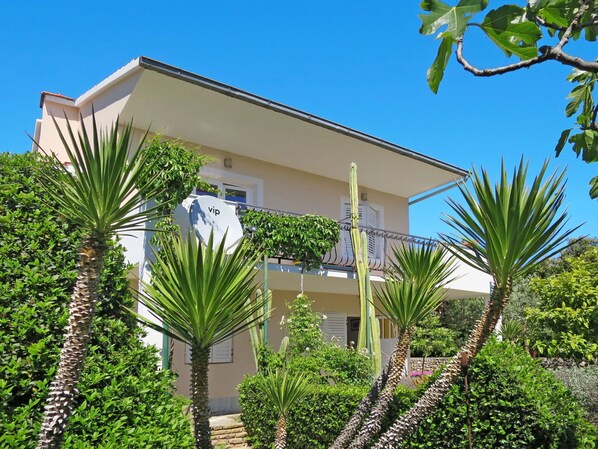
(304, 238)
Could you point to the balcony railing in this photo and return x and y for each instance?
(380, 241)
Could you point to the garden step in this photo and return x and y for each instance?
(228, 432)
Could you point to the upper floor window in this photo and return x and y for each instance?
(371, 217)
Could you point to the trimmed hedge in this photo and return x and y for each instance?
(515, 403)
(123, 399)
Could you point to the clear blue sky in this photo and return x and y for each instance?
(362, 64)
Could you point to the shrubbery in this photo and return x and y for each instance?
(123, 399)
(515, 403)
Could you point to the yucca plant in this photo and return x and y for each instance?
(512, 331)
(101, 196)
(199, 293)
(413, 290)
(504, 230)
(283, 390)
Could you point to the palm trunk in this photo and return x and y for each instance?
(364, 407)
(63, 390)
(200, 397)
(373, 423)
(410, 421)
(280, 441)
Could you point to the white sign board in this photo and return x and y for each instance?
(212, 215)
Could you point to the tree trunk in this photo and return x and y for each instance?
(364, 407)
(200, 409)
(63, 390)
(409, 422)
(280, 441)
(373, 423)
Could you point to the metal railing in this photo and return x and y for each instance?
(381, 243)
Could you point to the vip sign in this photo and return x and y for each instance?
(212, 215)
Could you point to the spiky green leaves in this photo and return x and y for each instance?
(200, 291)
(507, 229)
(283, 390)
(101, 191)
(414, 283)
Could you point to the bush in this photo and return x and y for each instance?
(122, 396)
(515, 403)
(582, 381)
(313, 423)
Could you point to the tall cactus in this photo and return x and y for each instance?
(369, 333)
(258, 320)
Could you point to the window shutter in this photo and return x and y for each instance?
(335, 327)
(219, 353)
(373, 241)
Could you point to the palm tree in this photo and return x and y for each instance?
(199, 293)
(283, 391)
(413, 289)
(506, 230)
(101, 194)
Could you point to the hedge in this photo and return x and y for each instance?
(515, 403)
(123, 398)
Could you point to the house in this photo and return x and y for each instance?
(268, 155)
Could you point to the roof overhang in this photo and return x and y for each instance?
(186, 106)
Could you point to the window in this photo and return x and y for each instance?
(233, 187)
(370, 216)
(219, 353)
(334, 327)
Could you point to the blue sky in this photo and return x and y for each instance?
(362, 64)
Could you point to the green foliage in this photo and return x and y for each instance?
(515, 403)
(305, 238)
(304, 327)
(522, 298)
(175, 168)
(282, 389)
(431, 339)
(460, 315)
(566, 319)
(122, 396)
(583, 384)
(507, 229)
(534, 33)
(325, 361)
(313, 423)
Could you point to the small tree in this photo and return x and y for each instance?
(199, 293)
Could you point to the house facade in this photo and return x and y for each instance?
(268, 156)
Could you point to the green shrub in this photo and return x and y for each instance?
(582, 381)
(515, 403)
(123, 399)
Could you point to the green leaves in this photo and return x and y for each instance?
(511, 32)
(436, 70)
(454, 18)
(414, 286)
(283, 390)
(105, 192)
(200, 292)
(507, 229)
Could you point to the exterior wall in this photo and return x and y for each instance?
(224, 377)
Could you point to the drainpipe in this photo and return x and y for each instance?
(165, 349)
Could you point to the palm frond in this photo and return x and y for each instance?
(200, 292)
(283, 390)
(106, 191)
(508, 229)
(414, 284)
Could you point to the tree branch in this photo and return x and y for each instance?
(547, 54)
(583, 7)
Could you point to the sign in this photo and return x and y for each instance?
(212, 215)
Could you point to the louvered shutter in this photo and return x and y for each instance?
(373, 241)
(335, 327)
(346, 235)
(219, 353)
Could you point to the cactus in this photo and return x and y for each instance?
(369, 333)
(259, 320)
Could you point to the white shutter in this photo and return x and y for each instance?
(335, 327)
(373, 241)
(219, 353)
(346, 235)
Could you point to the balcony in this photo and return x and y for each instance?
(380, 241)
